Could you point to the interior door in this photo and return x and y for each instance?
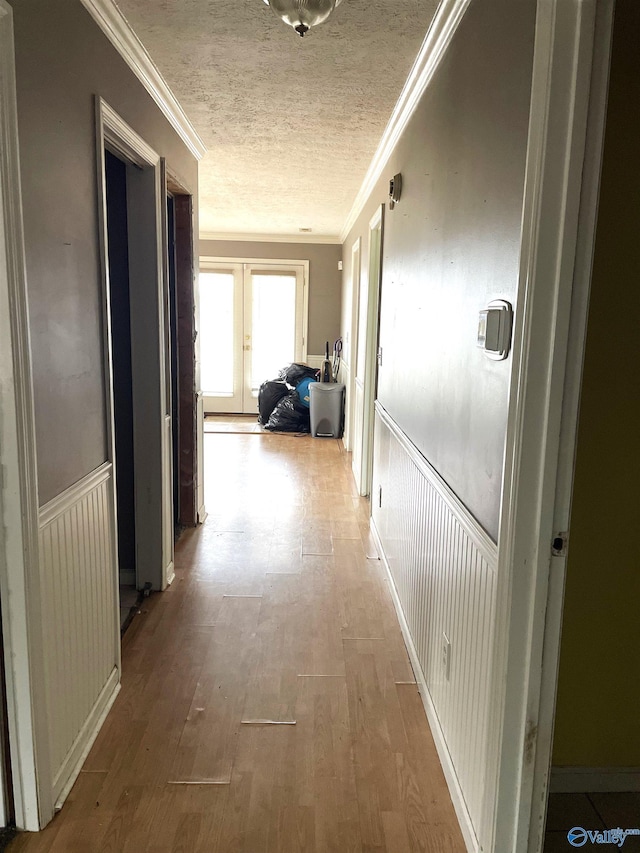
(253, 319)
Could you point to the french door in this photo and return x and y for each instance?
(252, 323)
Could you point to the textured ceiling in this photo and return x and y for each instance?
(290, 124)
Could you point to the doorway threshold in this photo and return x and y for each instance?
(233, 424)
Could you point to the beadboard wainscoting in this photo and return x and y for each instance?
(80, 620)
(442, 568)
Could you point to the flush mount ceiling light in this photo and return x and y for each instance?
(303, 14)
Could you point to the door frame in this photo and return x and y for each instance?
(19, 551)
(560, 205)
(352, 329)
(374, 283)
(146, 190)
(210, 262)
(187, 344)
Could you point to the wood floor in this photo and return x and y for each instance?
(267, 703)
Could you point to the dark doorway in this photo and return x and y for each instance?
(182, 362)
(173, 357)
(118, 257)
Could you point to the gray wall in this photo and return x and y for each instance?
(451, 246)
(62, 61)
(325, 280)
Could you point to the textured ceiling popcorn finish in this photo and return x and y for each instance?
(290, 124)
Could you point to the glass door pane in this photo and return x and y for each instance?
(216, 345)
(273, 325)
(221, 339)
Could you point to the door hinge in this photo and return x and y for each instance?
(379, 355)
(559, 543)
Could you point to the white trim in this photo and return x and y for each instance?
(86, 737)
(374, 288)
(19, 577)
(123, 139)
(67, 499)
(457, 798)
(103, 110)
(210, 259)
(352, 348)
(474, 530)
(553, 183)
(594, 780)
(271, 238)
(117, 29)
(544, 775)
(436, 42)
(315, 361)
(146, 229)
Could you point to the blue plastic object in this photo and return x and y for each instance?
(303, 391)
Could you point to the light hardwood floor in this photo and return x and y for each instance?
(268, 704)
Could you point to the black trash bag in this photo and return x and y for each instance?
(269, 395)
(293, 374)
(290, 415)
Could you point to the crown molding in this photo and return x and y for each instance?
(271, 238)
(117, 29)
(434, 46)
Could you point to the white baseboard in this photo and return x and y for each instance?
(594, 780)
(202, 514)
(72, 766)
(457, 798)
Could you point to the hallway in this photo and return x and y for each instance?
(268, 703)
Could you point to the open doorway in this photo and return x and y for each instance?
(367, 359)
(136, 353)
(181, 334)
(120, 308)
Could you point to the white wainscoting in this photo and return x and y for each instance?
(80, 620)
(442, 565)
(315, 361)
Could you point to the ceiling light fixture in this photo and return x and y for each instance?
(303, 14)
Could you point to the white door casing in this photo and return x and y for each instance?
(547, 357)
(148, 300)
(20, 580)
(366, 364)
(351, 346)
